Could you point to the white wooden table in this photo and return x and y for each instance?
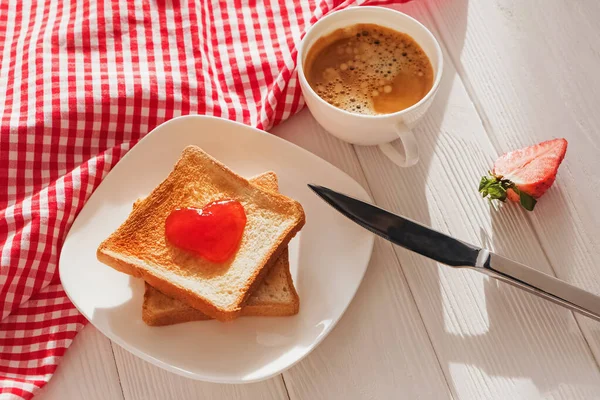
(517, 72)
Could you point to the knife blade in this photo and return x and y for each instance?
(447, 250)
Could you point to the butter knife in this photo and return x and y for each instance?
(456, 253)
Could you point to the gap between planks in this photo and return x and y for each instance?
(112, 350)
(410, 289)
(509, 219)
(489, 130)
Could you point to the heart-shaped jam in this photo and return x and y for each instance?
(213, 232)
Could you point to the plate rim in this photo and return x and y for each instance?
(148, 357)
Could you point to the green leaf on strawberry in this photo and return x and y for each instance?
(526, 200)
(493, 187)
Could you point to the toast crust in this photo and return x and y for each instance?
(158, 309)
(119, 249)
(185, 313)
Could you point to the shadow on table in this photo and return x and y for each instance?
(501, 313)
(510, 361)
(255, 343)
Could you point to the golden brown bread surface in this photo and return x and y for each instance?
(138, 247)
(275, 296)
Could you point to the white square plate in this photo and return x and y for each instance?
(328, 258)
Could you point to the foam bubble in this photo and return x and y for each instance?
(365, 63)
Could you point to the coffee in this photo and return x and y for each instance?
(369, 69)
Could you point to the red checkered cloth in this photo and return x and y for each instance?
(81, 82)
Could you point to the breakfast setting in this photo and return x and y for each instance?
(299, 200)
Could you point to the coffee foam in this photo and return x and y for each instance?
(364, 64)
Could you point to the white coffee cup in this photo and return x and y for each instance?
(381, 129)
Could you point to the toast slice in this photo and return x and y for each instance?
(275, 296)
(139, 248)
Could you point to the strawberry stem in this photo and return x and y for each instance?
(492, 187)
(495, 188)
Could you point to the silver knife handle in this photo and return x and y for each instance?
(540, 284)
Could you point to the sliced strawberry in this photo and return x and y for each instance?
(524, 175)
(533, 169)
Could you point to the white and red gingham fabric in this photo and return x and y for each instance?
(81, 81)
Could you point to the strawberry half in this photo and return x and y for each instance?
(524, 175)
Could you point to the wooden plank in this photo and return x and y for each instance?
(533, 69)
(493, 341)
(380, 347)
(87, 371)
(144, 381)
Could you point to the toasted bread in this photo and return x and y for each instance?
(275, 296)
(139, 248)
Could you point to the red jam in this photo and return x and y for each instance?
(213, 232)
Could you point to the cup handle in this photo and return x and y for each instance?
(409, 143)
